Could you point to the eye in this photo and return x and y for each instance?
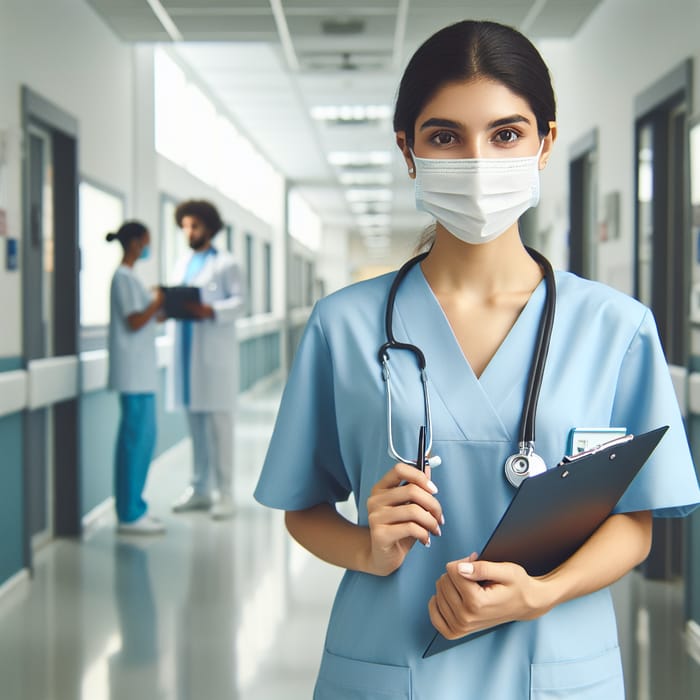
(443, 138)
(506, 136)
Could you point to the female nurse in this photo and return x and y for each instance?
(133, 373)
(475, 123)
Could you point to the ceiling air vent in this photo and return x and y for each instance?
(343, 27)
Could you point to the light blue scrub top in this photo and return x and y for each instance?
(132, 354)
(605, 368)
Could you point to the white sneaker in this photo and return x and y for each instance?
(223, 509)
(145, 525)
(191, 501)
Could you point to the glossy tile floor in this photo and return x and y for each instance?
(233, 610)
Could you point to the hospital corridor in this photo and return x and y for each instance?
(323, 324)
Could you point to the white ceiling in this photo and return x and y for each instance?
(269, 62)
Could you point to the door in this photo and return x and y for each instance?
(50, 266)
(39, 332)
(583, 207)
(662, 274)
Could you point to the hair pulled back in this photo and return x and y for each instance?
(205, 211)
(127, 232)
(469, 50)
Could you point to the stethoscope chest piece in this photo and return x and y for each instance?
(523, 465)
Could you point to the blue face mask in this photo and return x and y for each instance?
(145, 253)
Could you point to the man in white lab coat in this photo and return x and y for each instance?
(203, 377)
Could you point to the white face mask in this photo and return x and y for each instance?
(477, 199)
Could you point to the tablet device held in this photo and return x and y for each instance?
(554, 513)
(178, 299)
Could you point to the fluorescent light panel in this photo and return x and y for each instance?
(341, 158)
(368, 194)
(350, 112)
(365, 178)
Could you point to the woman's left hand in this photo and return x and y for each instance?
(473, 595)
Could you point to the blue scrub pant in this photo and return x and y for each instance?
(135, 442)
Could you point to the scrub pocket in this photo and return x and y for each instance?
(594, 678)
(341, 678)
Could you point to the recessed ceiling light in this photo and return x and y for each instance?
(368, 194)
(370, 207)
(365, 178)
(359, 158)
(373, 220)
(349, 113)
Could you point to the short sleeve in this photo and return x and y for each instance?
(303, 466)
(645, 399)
(126, 291)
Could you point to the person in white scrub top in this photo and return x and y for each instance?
(475, 124)
(204, 372)
(133, 373)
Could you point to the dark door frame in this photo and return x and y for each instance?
(579, 238)
(654, 107)
(63, 129)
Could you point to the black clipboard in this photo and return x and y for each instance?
(177, 300)
(554, 513)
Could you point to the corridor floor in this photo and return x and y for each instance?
(232, 610)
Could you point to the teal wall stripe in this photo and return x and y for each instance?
(99, 418)
(8, 364)
(260, 356)
(11, 499)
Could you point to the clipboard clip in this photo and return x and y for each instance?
(604, 445)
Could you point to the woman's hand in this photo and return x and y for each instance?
(473, 595)
(158, 297)
(401, 508)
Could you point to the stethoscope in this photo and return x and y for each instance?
(518, 466)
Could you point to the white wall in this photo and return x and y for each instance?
(624, 48)
(63, 52)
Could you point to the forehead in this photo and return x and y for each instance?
(474, 103)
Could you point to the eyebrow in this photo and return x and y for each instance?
(449, 124)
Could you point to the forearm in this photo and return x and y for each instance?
(331, 537)
(619, 544)
(139, 319)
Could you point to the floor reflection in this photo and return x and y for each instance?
(233, 610)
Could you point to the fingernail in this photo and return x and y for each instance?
(431, 487)
(465, 568)
(442, 519)
(439, 531)
(427, 544)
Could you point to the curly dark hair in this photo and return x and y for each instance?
(205, 211)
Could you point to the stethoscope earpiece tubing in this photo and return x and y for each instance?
(536, 374)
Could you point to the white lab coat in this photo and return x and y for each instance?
(214, 363)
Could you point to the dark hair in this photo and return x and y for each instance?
(127, 232)
(469, 50)
(205, 211)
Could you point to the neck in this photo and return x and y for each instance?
(129, 260)
(486, 269)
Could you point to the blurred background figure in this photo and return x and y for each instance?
(132, 372)
(204, 372)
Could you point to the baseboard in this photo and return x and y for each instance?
(692, 640)
(15, 580)
(93, 518)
